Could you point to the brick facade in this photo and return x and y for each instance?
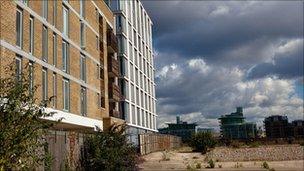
(93, 85)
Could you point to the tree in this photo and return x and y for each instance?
(201, 141)
(21, 127)
(109, 150)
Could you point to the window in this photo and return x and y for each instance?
(54, 49)
(97, 43)
(82, 8)
(138, 116)
(98, 100)
(65, 57)
(54, 99)
(31, 76)
(54, 13)
(65, 27)
(31, 33)
(82, 67)
(44, 44)
(82, 34)
(19, 27)
(143, 118)
(44, 84)
(133, 115)
(18, 68)
(66, 95)
(24, 1)
(45, 9)
(83, 101)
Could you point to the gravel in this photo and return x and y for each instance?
(262, 153)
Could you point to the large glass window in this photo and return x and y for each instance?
(82, 8)
(31, 33)
(65, 27)
(54, 99)
(65, 56)
(54, 49)
(19, 27)
(44, 44)
(45, 9)
(82, 67)
(133, 115)
(83, 101)
(18, 68)
(31, 76)
(66, 94)
(138, 116)
(82, 34)
(44, 84)
(54, 13)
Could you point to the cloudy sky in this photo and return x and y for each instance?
(213, 56)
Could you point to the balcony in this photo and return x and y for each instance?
(112, 42)
(113, 67)
(114, 92)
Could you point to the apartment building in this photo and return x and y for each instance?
(71, 48)
(134, 33)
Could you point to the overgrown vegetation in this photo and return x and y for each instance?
(201, 141)
(265, 165)
(109, 150)
(21, 127)
(211, 164)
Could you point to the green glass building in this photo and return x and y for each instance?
(234, 126)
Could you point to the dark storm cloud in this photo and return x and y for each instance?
(210, 29)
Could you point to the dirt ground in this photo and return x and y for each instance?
(187, 160)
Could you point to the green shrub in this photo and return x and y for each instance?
(265, 165)
(211, 164)
(236, 144)
(22, 131)
(254, 144)
(109, 150)
(201, 141)
(198, 165)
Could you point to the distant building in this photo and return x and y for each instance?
(180, 128)
(234, 126)
(209, 130)
(277, 126)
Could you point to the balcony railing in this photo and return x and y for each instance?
(112, 42)
(113, 67)
(114, 92)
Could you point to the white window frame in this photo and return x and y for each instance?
(19, 37)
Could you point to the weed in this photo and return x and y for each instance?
(265, 165)
(198, 165)
(211, 164)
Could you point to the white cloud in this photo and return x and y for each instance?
(220, 10)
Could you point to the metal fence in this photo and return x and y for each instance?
(156, 142)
